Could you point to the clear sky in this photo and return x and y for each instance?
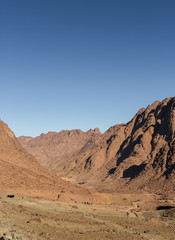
(68, 64)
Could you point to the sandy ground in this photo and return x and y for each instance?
(26, 218)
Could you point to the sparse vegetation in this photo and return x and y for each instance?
(81, 183)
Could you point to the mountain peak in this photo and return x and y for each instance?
(136, 155)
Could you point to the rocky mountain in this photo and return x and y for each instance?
(21, 173)
(50, 148)
(137, 155)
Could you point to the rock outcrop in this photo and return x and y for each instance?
(138, 155)
(50, 148)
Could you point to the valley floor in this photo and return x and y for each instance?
(24, 218)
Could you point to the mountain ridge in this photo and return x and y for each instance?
(136, 155)
(21, 173)
(52, 146)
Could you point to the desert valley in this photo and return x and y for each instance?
(87, 120)
(88, 185)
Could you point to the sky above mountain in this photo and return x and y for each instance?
(83, 64)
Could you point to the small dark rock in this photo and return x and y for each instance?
(42, 234)
(10, 195)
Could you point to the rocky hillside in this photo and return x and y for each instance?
(136, 155)
(21, 173)
(50, 148)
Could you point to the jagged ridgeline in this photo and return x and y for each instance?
(133, 156)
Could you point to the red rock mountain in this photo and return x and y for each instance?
(50, 148)
(138, 155)
(21, 173)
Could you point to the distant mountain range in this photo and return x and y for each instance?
(50, 148)
(138, 155)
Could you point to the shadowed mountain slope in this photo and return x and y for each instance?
(138, 155)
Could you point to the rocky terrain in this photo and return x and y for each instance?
(22, 174)
(50, 148)
(138, 155)
(35, 219)
(122, 181)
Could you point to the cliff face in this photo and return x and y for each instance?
(136, 155)
(50, 148)
(147, 154)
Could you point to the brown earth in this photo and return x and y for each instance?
(125, 163)
(21, 173)
(138, 155)
(50, 148)
(33, 219)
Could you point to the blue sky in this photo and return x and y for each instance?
(83, 63)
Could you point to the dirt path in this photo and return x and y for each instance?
(25, 219)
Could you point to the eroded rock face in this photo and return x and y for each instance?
(50, 148)
(146, 157)
(138, 155)
(150, 139)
